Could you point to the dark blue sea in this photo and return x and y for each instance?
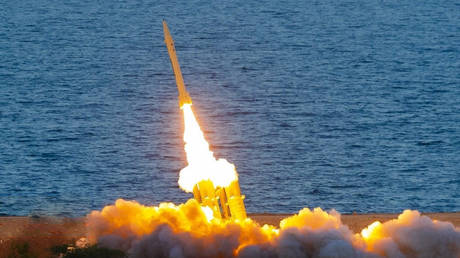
(346, 105)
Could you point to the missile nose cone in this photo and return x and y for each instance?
(165, 28)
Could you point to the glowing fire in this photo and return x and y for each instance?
(202, 165)
(370, 232)
(188, 230)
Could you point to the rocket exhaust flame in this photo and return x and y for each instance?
(214, 183)
(214, 223)
(201, 162)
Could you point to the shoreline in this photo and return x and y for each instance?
(74, 228)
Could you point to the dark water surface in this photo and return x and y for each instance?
(352, 105)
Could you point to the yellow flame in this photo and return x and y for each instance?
(208, 212)
(127, 218)
(202, 165)
(368, 232)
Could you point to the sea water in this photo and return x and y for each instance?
(346, 105)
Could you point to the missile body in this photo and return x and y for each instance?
(184, 97)
(235, 201)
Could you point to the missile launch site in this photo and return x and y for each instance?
(210, 199)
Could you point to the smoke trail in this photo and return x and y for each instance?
(183, 230)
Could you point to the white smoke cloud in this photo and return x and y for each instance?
(183, 231)
(413, 235)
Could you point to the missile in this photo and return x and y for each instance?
(184, 97)
(229, 197)
(235, 201)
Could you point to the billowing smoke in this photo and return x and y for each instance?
(183, 230)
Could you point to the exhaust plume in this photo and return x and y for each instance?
(170, 230)
(202, 165)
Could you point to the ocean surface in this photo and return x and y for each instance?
(346, 105)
